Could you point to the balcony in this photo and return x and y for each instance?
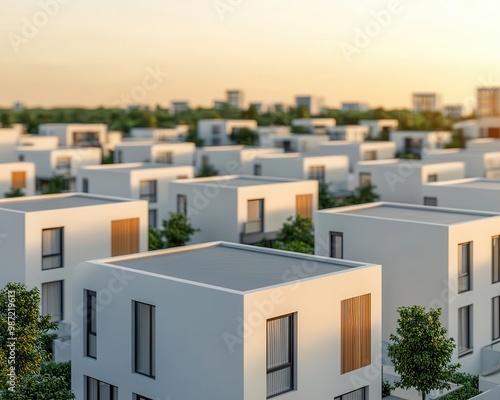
(253, 232)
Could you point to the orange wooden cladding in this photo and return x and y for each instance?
(303, 205)
(18, 180)
(124, 236)
(356, 333)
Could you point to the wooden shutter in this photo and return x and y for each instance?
(124, 236)
(303, 204)
(356, 333)
(18, 180)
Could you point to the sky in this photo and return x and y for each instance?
(116, 52)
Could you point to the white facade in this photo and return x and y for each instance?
(421, 250)
(483, 145)
(45, 237)
(330, 170)
(142, 181)
(478, 164)
(230, 160)
(156, 152)
(38, 142)
(17, 175)
(489, 127)
(349, 133)
(455, 111)
(470, 128)
(9, 138)
(294, 143)
(314, 125)
(199, 299)
(216, 132)
(418, 142)
(379, 127)
(78, 135)
(354, 106)
(313, 104)
(401, 181)
(241, 208)
(161, 134)
(365, 151)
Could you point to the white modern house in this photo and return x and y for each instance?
(314, 125)
(227, 321)
(76, 135)
(418, 142)
(241, 208)
(17, 176)
(484, 145)
(156, 152)
(45, 237)
(230, 160)
(432, 257)
(161, 134)
(295, 142)
(38, 142)
(61, 161)
(217, 132)
(401, 181)
(470, 128)
(349, 133)
(380, 127)
(471, 193)
(143, 181)
(9, 138)
(357, 151)
(330, 170)
(478, 164)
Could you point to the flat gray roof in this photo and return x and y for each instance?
(127, 168)
(45, 203)
(236, 267)
(237, 181)
(489, 184)
(431, 215)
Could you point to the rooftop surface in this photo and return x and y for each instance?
(422, 214)
(485, 184)
(235, 181)
(235, 267)
(129, 167)
(46, 202)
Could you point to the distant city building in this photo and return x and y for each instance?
(219, 104)
(313, 104)
(488, 102)
(426, 102)
(18, 106)
(258, 106)
(350, 133)
(217, 132)
(76, 135)
(179, 107)
(235, 99)
(355, 107)
(419, 142)
(455, 111)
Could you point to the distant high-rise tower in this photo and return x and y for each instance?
(313, 104)
(235, 99)
(179, 107)
(426, 102)
(354, 106)
(488, 102)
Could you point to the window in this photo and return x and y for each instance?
(365, 179)
(20, 157)
(152, 218)
(370, 155)
(182, 204)
(52, 248)
(18, 180)
(144, 339)
(355, 334)
(280, 355)
(255, 216)
(63, 165)
(360, 394)
(147, 191)
(124, 236)
(303, 205)
(97, 390)
(164, 157)
(205, 161)
(464, 267)
(215, 142)
(119, 156)
(52, 300)
(257, 169)
(430, 201)
(495, 259)
(91, 323)
(432, 178)
(496, 318)
(317, 173)
(336, 245)
(85, 185)
(464, 330)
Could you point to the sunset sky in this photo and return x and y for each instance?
(92, 53)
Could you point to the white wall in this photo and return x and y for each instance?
(477, 163)
(182, 153)
(431, 140)
(65, 132)
(8, 142)
(225, 127)
(39, 142)
(6, 170)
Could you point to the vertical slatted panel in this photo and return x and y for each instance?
(124, 236)
(355, 333)
(303, 205)
(18, 179)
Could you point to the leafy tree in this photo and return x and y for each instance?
(192, 137)
(14, 193)
(109, 159)
(326, 199)
(297, 247)
(421, 352)
(244, 136)
(301, 129)
(361, 195)
(55, 185)
(295, 235)
(251, 113)
(302, 112)
(175, 232)
(206, 171)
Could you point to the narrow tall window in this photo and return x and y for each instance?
(52, 248)
(52, 300)
(495, 259)
(182, 204)
(144, 339)
(164, 157)
(119, 156)
(365, 179)
(152, 218)
(63, 165)
(360, 394)
(496, 318)
(430, 201)
(148, 191)
(317, 173)
(464, 267)
(464, 330)
(257, 169)
(97, 390)
(303, 205)
(281, 355)
(255, 216)
(18, 180)
(91, 324)
(336, 245)
(85, 185)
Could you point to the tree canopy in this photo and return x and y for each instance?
(175, 232)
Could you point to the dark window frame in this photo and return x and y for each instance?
(88, 324)
(317, 172)
(52, 255)
(152, 339)
(434, 199)
(61, 300)
(152, 193)
(495, 317)
(184, 204)
(364, 389)
(85, 185)
(337, 234)
(111, 389)
(493, 239)
(153, 219)
(470, 339)
(141, 397)
(261, 214)
(469, 266)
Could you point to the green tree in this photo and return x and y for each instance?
(421, 352)
(244, 136)
(325, 198)
(175, 232)
(251, 113)
(361, 195)
(14, 193)
(55, 185)
(296, 234)
(206, 171)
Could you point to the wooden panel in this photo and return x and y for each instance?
(303, 205)
(18, 179)
(124, 236)
(356, 333)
